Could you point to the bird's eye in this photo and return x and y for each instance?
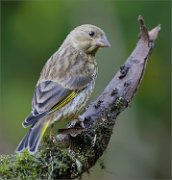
(91, 33)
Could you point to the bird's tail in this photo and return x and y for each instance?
(32, 139)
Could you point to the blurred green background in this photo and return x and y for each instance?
(32, 30)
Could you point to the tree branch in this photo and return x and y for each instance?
(84, 150)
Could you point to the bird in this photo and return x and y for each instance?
(65, 84)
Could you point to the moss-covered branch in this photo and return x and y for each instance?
(84, 150)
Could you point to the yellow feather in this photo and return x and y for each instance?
(68, 98)
(44, 128)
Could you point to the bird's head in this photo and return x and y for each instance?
(88, 38)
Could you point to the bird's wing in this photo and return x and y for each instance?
(49, 96)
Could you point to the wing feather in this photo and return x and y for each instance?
(50, 96)
(47, 95)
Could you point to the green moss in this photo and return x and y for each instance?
(18, 166)
(4, 161)
(44, 164)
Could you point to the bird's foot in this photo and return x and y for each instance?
(77, 122)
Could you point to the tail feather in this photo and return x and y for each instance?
(32, 139)
(36, 136)
(23, 143)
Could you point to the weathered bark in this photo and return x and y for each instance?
(84, 150)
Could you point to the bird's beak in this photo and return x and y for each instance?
(103, 42)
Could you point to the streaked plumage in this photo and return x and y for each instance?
(65, 84)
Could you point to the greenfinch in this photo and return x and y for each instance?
(65, 84)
